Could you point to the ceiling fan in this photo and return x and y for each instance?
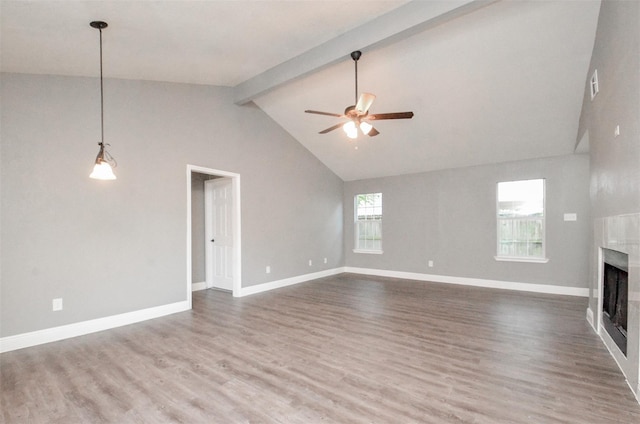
(358, 114)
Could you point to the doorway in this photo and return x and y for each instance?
(231, 268)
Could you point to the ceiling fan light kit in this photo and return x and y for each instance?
(365, 127)
(350, 129)
(358, 114)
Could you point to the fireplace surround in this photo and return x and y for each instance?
(620, 233)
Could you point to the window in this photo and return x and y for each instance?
(521, 221)
(368, 223)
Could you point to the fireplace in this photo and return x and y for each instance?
(615, 296)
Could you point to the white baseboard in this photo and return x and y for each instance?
(590, 319)
(259, 288)
(48, 335)
(198, 286)
(494, 284)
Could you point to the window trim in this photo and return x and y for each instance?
(535, 260)
(368, 252)
(526, 259)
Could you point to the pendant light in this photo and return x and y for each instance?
(104, 161)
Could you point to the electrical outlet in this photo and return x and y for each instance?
(268, 269)
(325, 260)
(56, 304)
(430, 264)
(310, 262)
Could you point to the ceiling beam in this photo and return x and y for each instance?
(401, 23)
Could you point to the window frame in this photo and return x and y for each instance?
(356, 226)
(532, 259)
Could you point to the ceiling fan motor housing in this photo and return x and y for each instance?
(352, 112)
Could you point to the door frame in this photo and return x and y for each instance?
(236, 227)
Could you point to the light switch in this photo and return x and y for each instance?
(570, 217)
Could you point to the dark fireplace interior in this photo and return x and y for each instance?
(615, 296)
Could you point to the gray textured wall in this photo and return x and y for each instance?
(450, 217)
(113, 247)
(615, 161)
(615, 172)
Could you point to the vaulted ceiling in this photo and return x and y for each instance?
(489, 81)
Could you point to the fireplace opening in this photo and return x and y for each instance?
(615, 296)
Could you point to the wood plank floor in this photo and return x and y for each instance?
(343, 349)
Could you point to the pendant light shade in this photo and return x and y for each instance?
(102, 169)
(104, 161)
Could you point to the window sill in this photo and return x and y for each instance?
(370, 252)
(518, 259)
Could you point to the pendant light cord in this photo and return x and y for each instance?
(101, 94)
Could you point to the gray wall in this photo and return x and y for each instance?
(615, 176)
(450, 217)
(113, 247)
(615, 161)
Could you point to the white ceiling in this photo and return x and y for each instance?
(489, 81)
(202, 42)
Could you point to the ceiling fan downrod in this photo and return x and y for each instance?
(355, 56)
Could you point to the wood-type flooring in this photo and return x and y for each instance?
(342, 349)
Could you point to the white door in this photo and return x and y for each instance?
(219, 233)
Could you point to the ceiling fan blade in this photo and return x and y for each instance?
(393, 115)
(335, 127)
(364, 102)
(374, 132)
(323, 113)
